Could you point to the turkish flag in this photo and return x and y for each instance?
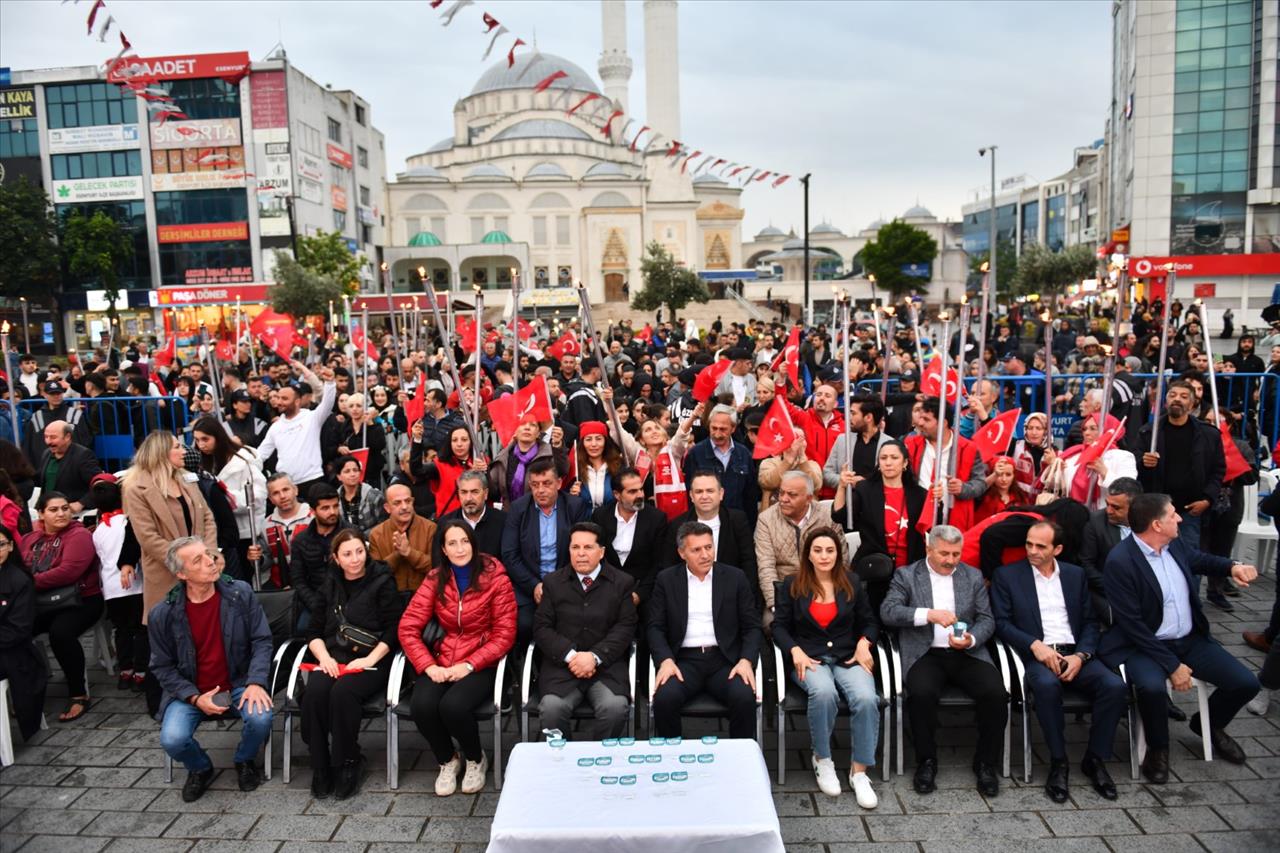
(931, 381)
(225, 350)
(362, 455)
(416, 406)
(361, 342)
(993, 439)
(524, 329)
(466, 330)
(1080, 483)
(167, 353)
(276, 331)
(776, 431)
(567, 345)
(790, 356)
(708, 378)
(1236, 463)
(530, 403)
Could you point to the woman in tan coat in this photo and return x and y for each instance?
(163, 502)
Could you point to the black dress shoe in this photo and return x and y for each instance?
(349, 778)
(1224, 744)
(1096, 772)
(321, 783)
(247, 776)
(197, 783)
(988, 780)
(1055, 787)
(926, 772)
(1156, 766)
(1219, 601)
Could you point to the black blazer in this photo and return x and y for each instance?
(868, 518)
(642, 561)
(794, 626)
(737, 621)
(1100, 537)
(79, 467)
(488, 531)
(1015, 604)
(1137, 603)
(736, 546)
(600, 620)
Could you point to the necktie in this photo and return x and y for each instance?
(586, 582)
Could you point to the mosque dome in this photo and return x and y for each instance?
(486, 172)
(541, 128)
(826, 229)
(708, 179)
(545, 171)
(918, 212)
(529, 70)
(443, 145)
(606, 171)
(769, 232)
(424, 173)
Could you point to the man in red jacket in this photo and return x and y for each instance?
(822, 425)
(968, 483)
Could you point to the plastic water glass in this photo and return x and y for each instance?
(710, 739)
(586, 762)
(679, 775)
(706, 758)
(603, 760)
(557, 745)
(635, 759)
(653, 758)
(661, 777)
(629, 779)
(958, 629)
(608, 780)
(626, 741)
(609, 741)
(675, 741)
(657, 741)
(688, 758)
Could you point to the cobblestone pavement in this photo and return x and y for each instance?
(98, 784)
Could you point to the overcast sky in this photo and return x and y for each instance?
(885, 103)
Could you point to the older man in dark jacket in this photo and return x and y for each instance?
(211, 653)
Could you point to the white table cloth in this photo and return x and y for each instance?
(560, 807)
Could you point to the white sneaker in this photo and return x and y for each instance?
(447, 781)
(473, 779)
(862, 789)
(828, 781)
(1260, 703)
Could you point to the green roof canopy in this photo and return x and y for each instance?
(424, 238)
(496, 237)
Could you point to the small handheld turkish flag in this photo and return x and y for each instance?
(708, 378)
(931, 381)
(993, 439)
(530, 403)
(566, 345)
(776, 431)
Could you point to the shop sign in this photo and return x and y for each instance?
(338, 156)
(269, 105)
(249, 293)
(101, 137)
(275, 171)
(1208, 265)
(310, 167)
(1120, 235)
(338, 198)
(196, 133)
(219, 275)
(202, 233)
(1205, 290)
(98, 189)
(17, 104)
(137, 69)
(225, 178)
(548, 297)
(365, 215)
(197, 168)
(311, 191)
(273, 216)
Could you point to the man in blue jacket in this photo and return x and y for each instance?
(731, 460)
(1160, 631)
(211, 653)
(1043, 611)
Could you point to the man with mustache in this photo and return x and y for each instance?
(1188, 464)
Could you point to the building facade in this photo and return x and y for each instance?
(1194, 155)
(261, 154)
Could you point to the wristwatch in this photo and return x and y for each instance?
(468, 665)
(1085, 657)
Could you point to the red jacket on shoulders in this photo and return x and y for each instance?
(480, 629)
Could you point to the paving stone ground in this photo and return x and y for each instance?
(98, 785)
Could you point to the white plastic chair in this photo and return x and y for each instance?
(1253, 534)
(1202, 698)
(6, 733)
(704, 706)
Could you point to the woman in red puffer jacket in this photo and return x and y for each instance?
(470, 597)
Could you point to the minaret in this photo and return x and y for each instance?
(662, 67)
(615, 65)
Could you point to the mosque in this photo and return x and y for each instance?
(521, 188)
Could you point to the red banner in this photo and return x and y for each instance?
(337, 155)
(223, 295)
(1216, 265)
(269, 103)
(203, 233)
(141, 70)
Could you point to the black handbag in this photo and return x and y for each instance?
(55, 600)
(357, 640)
(432, 633)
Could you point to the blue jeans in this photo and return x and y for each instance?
(178, 729)
(1189, 529)
(858, 688)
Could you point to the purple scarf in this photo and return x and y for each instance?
(522, 462)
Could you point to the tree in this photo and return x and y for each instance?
(1044, 271)
(1006, 266)
(667, 283)
(28, 232)
(896, 245)
(95, 247)
(299, 291)
(327, 254)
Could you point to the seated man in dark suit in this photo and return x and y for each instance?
(583, 628)
(1104, 531)
(632, 533)
(474, 509)
(704, 632)
(735, 544)
(1042, 610)
(925, 601)
(66, 466)
(1161, 632)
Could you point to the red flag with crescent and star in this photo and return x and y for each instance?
(931, 381)
(790, 356)
(530, 403)
(776, 431)
(566, 345)
(993, 439)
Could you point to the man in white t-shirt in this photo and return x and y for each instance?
(295, 435)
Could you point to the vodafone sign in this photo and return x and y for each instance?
(185, 67)
(1208, 265)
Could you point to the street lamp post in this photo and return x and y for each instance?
(808, 312)
(988, 300)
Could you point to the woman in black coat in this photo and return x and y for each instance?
(20, 662)
(823, 622)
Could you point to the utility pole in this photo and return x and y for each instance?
(808, 310)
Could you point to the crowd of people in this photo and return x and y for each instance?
(375, 487)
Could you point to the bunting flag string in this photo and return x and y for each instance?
(636, 138)
(453, 10)
(685, 163)
(588, 98)
(93, 14)
(608, 125)
(106, 25)
(546, 82)
(511, 54)
(497, 34)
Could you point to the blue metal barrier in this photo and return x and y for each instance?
(1256, 393)
(117, 425)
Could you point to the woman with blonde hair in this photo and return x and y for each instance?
(163, 503)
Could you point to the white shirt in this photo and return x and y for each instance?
(595, 484)
(1053, 607)
(476, 523)
(297, 439)
(700, 630)
(925, 474)
(739, 386)
(626, 535)
(944, 598)
(714, 524)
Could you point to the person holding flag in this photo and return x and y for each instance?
(659, 458)
(523, 421)
(967, 484)
(1089, 468)
(295, 435)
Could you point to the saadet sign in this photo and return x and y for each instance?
(181, 67)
